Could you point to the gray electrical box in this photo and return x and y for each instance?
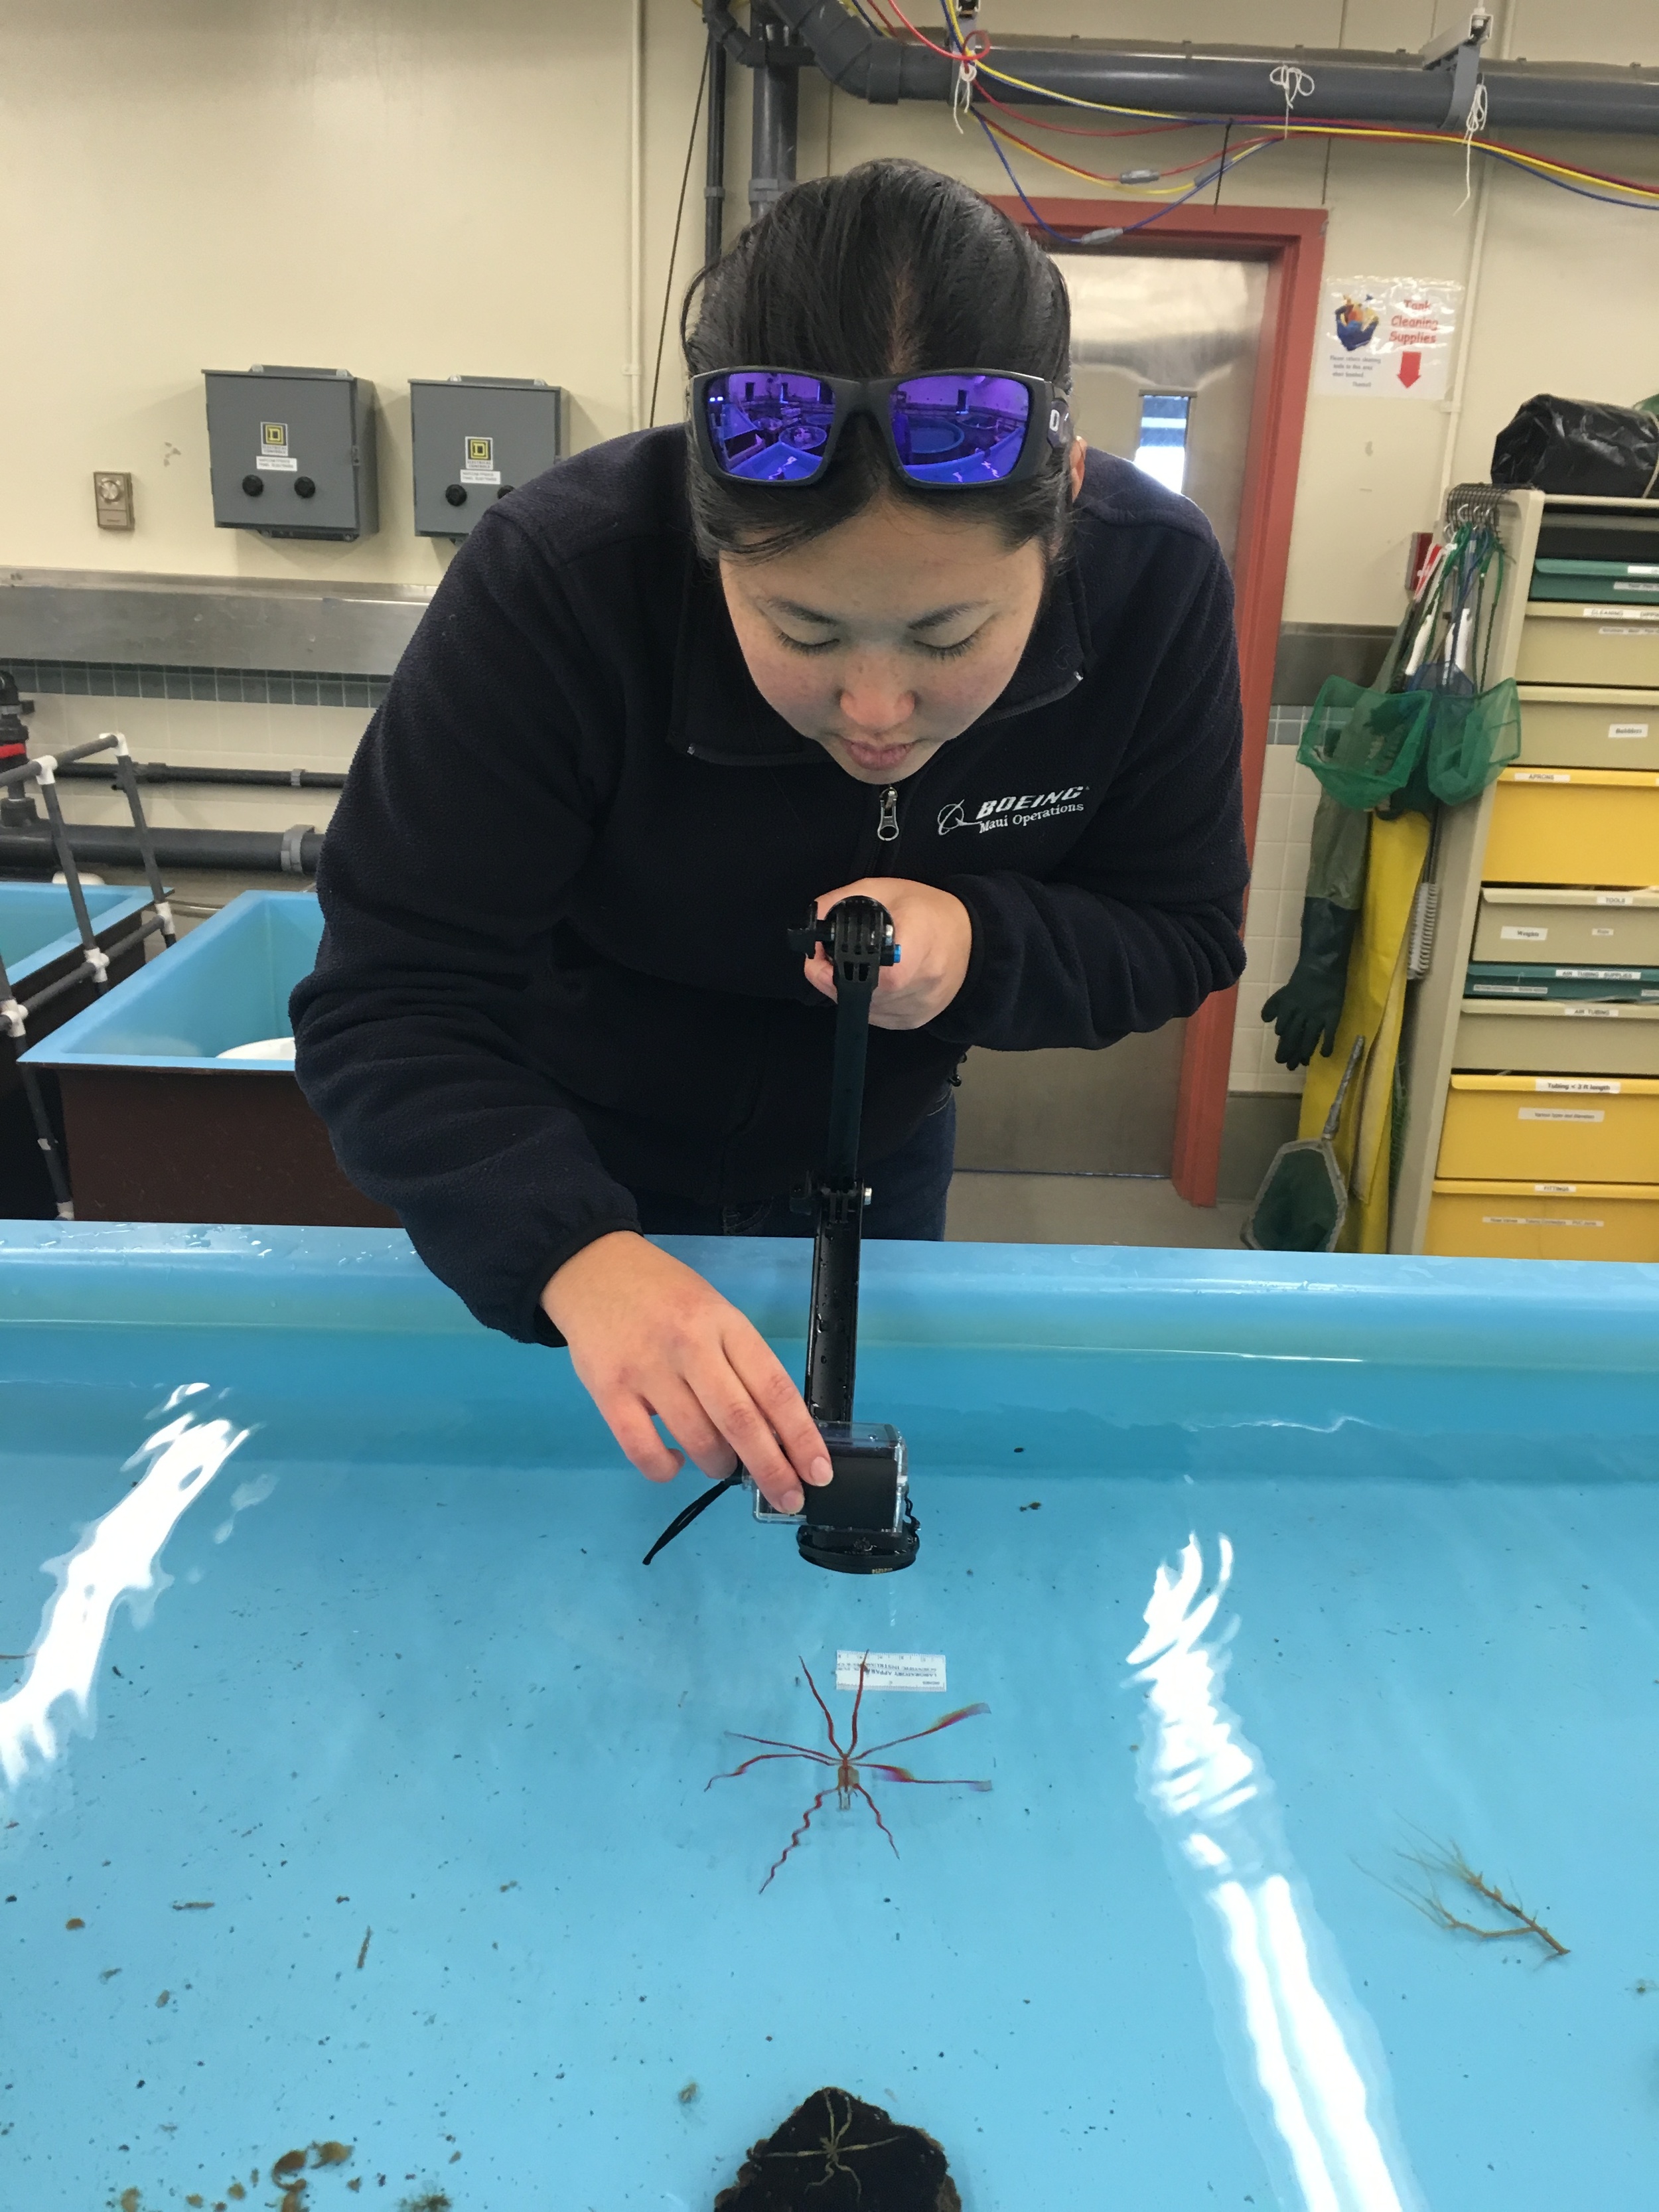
(292, 452)
(476, 438)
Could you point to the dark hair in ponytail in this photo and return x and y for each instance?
(889, 270)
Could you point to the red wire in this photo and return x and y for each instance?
(1003, 131)
(926, 41)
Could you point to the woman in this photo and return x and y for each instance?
(908, 641)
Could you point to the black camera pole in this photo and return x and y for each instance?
(860, 1522)
(858, 936)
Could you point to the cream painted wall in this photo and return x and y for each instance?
(403, 187)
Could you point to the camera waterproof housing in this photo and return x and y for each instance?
(861, 1522)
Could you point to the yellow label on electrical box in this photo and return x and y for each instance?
(273, 437)
(480, 452)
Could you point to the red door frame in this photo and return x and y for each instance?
(1291, 240)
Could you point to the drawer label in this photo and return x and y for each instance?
(1540, 776)
(1536, 1221)
(1627, 628)
(1578, 1086)
(1625, 614)
(1556, 1189)
(890, 1670)
(1588, 1013)
(1524, 936)
(1627, 729)
(1562, 1113)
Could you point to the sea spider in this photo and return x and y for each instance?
(830, 2148)
(847, 1764)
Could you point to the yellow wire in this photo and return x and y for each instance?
(1637, 195)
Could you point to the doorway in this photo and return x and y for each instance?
(1165, 355)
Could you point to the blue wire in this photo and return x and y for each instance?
(1069, 238)
(1066, 237)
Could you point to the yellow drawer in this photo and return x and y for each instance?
(1523, 1221)
(1573, 825)
(1582, 1129)
(1568, 928)
(1573, 726)
(1614, 646)
(1556, 1036)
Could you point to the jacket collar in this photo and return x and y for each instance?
(717, 715)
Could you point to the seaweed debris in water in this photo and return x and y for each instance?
(1450, 1865)
(834, 2153)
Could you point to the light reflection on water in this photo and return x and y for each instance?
(1314, 2086)
(117, 1558)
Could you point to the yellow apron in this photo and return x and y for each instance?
(1372, 1006)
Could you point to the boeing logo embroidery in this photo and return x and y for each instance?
(1017, 811)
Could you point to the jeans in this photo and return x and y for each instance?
(910, 1187)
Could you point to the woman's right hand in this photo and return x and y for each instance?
(648, 1335)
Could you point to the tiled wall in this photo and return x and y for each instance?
(201, 718)
(1273, 924)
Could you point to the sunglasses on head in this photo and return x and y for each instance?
(955, 430)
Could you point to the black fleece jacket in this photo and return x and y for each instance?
(558, 882)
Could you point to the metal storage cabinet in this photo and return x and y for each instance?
(1594, 927)
(1496, 1220)
(1552, 1128)
(1588, 725)
(1551, 866)
(1597, 645)
(159, 1128)
(1574, 825)
(1586, 1037)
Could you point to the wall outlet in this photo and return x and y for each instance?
(112, 495)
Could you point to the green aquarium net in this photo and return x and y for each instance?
(1303, 1204)
(1363, 745)
(1472, 740)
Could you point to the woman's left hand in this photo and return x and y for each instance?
(935, 936)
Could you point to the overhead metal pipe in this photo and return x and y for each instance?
(775, 126)
(1230, 82)
(714, 176)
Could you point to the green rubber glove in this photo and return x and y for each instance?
(1306, 1010)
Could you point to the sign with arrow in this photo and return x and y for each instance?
(1386, 337)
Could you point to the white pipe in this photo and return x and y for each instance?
(1472, 274)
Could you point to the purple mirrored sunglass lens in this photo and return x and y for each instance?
(960, 429)
(768, 426)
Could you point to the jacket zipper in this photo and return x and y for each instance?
(887, 824)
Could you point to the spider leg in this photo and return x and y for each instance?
(857, 1701)
(776, 1743)
(923, 1781)
(876, 1809)
(760, 1760)
(834, 1739)
(806, 1823)
(966, 1713)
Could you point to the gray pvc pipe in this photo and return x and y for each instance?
(288, 852)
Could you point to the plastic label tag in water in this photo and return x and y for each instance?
(890, 1670)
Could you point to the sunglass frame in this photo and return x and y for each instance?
(1048, 429)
